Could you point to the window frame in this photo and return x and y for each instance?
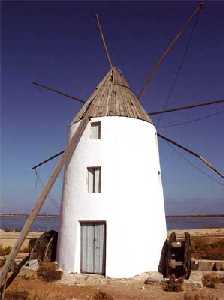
(95, 125)
(92, 185)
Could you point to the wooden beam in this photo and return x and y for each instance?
(16, 271)
(190, 106)
(47, 160)
(104, 41)
(57, 92)
(179, 108)
(201, 158)
(41, 199)
(170, 47)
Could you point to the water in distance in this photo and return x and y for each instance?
(45, 223)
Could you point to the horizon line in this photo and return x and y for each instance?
(167, 216)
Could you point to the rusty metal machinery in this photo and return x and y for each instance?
(176, 257)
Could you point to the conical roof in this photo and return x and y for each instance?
(113, 97)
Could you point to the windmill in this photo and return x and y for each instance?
(130, 111)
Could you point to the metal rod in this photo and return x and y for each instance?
(205, 161)
(104, 41)
(41, 199)
(58, 92)
(190, 106)
(170, 47)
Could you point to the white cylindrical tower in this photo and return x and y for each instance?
(112, 218)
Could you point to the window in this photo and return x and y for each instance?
(94, 179)
(95, 130)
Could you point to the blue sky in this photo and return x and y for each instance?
(56, 43)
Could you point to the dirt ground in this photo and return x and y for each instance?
(36, 289)
(28, 286)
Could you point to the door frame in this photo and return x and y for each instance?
(94, 222)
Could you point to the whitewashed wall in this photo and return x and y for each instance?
(131, 201)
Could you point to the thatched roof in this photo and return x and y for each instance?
(113, 97)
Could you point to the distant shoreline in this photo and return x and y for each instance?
(169, 216)
(197, 216)
(26, 215)
(44, 222)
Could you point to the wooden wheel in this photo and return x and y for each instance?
(187, 255)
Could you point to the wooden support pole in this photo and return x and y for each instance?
(16, 271)
(41, 199)
(104, 41)
(47, 160)
(205, 161)
(150, 113)
(190, 106)
(170, 47)
(58, 92)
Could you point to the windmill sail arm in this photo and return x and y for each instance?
(47, 160)
(41, 199)
(190, 106)
(169, 48)
(57, 92)
(99, 25)
(201, 158)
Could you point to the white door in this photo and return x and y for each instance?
(93, 247)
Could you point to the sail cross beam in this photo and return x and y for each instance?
(189, 151)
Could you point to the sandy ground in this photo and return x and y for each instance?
(9, 238)
(216, 232)
(86, 286)
(201, 231)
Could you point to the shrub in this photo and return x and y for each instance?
(102, 296)
(209, 280)
(199, 296)
(48, 271)
(173, 284)
(2, 261)
(207, 248)
(16, 295)
(25, 250)
(16, 229)
(5, 250)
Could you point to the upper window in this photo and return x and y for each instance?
(94, 179)
(95, 130)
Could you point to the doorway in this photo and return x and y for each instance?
(93, 247)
